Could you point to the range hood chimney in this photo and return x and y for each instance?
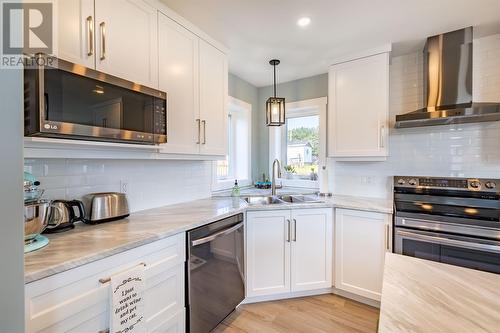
(448, 84)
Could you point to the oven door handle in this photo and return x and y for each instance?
(216, 235)
(452, 242)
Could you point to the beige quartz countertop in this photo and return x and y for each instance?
(425, 296)
(88, 243)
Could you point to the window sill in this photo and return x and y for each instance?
(302, 183)
(224, 185)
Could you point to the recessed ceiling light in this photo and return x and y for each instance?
(303, 21)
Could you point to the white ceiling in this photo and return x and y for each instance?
(256, 31)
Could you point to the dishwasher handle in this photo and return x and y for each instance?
(216, 235)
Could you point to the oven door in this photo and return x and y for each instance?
(475, 253)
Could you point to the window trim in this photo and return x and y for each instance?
(225, 184)
(278, 139)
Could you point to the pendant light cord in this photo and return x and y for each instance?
(274, 80)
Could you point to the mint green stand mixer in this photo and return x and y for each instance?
(36, 214)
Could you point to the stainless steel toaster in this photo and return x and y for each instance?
(105, 207)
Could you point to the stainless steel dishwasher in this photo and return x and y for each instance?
(214, 273)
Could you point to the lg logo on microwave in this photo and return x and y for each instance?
(50, 127)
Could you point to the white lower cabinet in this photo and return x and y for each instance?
(288, 251)
(361, 241)
(75, 300)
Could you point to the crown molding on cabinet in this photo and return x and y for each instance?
(188, 25)
(386, 48)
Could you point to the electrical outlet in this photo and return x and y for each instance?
(124, 186)
(366, 180)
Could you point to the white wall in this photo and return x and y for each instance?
(468, 150)
(150, 184)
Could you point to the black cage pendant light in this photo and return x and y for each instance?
(275, 106)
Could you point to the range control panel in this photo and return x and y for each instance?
(464, 184)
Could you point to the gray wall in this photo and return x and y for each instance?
(302, 89)
(11, 202)
(246, 92)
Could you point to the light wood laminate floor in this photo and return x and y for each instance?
(324, 313)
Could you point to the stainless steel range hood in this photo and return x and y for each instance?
(448, 85)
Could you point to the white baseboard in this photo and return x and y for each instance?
(335, 291)
(357, 298)
(278, 297)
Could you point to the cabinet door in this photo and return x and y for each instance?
(175, 324)
(213, 100)
(178, 65)
(76, 31)
(311, 249)
(268, 252)
(361, 241)
(164, 294)
(359, 108)
(127, 44)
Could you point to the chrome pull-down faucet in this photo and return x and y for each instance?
(273, 184)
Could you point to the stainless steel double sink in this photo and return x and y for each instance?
(280, 199)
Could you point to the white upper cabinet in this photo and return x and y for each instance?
(213, 100)
(126, 40)
(118, 37)
(358, 109)
(144, 42)
(75, 31)
(179, 77)
(361, 241)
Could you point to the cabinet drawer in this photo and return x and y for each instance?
(75, 300)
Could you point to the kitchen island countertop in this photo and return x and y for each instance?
(426, 296)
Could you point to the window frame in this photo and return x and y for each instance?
(278, 139)
(228, 183)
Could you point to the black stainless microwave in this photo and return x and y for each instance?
(66, 100)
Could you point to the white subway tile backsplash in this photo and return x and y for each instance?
(149, 184)
(468, 150)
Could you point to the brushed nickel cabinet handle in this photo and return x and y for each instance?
(103, 40)
(382, 136)
(108, 279)
(198, 121)
(204, 132)
(90, 38)
(288, 236)
(387, 234)
(294, 230)
(104, 331)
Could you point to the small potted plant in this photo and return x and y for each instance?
(289, 171)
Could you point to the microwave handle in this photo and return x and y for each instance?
(451, 242)
(46, 106)
(43, 97)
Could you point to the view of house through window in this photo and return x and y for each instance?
(302, 147)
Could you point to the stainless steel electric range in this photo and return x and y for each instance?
(450, 220)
